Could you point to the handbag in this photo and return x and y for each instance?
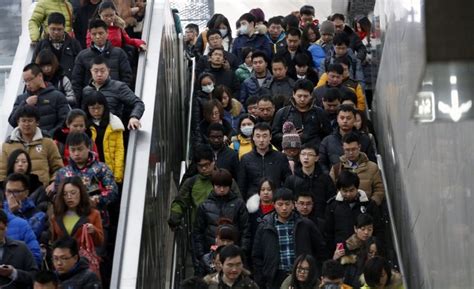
(87, 250)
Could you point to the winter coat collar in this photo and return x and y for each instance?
(268, 75)
(16, 135)
(230, 196)
(49, 87)
(279, 39)
(316, 173)
(253, 203)
(360, 161)
(91, 160)
(236, 108)
(116, 123)
(81, 265)
(362, 196)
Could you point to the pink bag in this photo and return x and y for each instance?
(87, 250)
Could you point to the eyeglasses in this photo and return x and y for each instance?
(61, 259)
(302, 270)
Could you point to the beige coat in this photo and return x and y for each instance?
(369, 175)
(44, 154)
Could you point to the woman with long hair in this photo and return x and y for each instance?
(304, 274)
(233, 109)
(72, 209)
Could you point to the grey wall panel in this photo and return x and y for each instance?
(429, 166)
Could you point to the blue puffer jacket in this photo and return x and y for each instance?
(18, 229)
(35, 218)
(256, 41)
(250, 87)
(318, 55)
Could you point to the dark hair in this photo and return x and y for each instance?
(332, 270)
(262, 126)
(277, 20)
(98, 60)
(305, 37)
(230, 251)
(45, 277)
(346, 108)
(310, 146)
(215, 127)
(218, 19)
(226, 230)
(243, 117)
(106, 5)
(67, 243)
(307, 10)
(56, 18)
(245, 51)
(302, 59)
(247, 17)
(12, 159)
(84, 206)
(364, 127)
(78, 138)
(47, 57)
(332, 94)
(279, 59)
(35, 68)
(270, 183)
(266, 98)
(93, 98)
(221, 177)
(204, 75)
(312, 273)
(213, 31)
(219, 91)
(192, 26)
(304, 194)
(258, 53)
(363, 220)
(303, 84)
(343, 60)
(378, 243)
(341, 38)
(253, 99)
(284, 194)
(294, 32)
(347, 179)
(214, 50)
(98, 23)
(27, 111)
(349, 95)
(365, 25)
(3, 217)
(291, 21)
(203, 152)
(75, 113)
(350, 138)
(335, 67)
(17, 177)
(373, 271)
(208, 107)
(338, 16)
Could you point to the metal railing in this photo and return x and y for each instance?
(191, 95)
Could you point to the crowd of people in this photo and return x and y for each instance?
(62, 166)
(283, 190)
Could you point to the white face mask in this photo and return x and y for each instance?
(223, 32)
(247, 130)
(208, 88)
(244, 29)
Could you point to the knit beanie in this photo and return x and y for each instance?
(290, 139)
(327, 27)
(258, 14)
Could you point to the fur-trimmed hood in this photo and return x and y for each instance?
(253, 203)
(362, 196)
(116, 123)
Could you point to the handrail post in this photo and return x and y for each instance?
(191, 94)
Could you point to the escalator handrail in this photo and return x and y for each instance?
(390, 213)
(191, 94)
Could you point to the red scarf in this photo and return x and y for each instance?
(266, 208)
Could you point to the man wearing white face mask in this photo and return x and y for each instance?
(248, 38)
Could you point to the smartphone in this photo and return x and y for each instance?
(340, 246)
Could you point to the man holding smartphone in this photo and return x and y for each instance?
(17, 263)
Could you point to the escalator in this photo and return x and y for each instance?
(143, 245)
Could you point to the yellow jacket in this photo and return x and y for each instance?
(245, 145)
(354, 85)
(114, 150)
(42, 10)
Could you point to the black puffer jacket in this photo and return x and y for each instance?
(266, 248)
(290, 60)
(80, 277)
(67, 54)
(227, 158)
(280, 90)
(230, 206)
(225, 77)
(199, 99)
(331, 149)
(253, 167)
(314, 123)
(52, 107)
(319, 184)
(118, 63)
(119, 97)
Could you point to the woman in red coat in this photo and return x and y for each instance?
(72, 210)
(118, 37)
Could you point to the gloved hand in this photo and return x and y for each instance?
(174, 221)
